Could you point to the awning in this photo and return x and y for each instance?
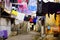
(51, 7)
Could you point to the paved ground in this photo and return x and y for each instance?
(49, 37)
(28, 36)
(33, 36)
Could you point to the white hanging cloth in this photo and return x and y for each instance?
(20, 16)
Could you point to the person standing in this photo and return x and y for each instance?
(28, 27)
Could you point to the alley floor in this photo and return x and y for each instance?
(33, 36)
(28, 36)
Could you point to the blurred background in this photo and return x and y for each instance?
(29, 19)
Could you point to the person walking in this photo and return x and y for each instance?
(28, 27)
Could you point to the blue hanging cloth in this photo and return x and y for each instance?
(32, 8)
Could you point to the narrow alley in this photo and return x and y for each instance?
(28, 36)
(29, 19)
(33, 36)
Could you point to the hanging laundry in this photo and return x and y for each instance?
(32, 5)
(20, 8)
(13, 1)
(23, 7)
(32, 8)
(13, 5)
(14, 12)
(19, 1)
(20, 16)
(27, 0)
(32, 1)
(0, 0)
(8, 5)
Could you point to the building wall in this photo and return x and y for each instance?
(57, 19)
(57, 0)
(52, 22)
(5, 25)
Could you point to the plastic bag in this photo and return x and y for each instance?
(48, 27)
